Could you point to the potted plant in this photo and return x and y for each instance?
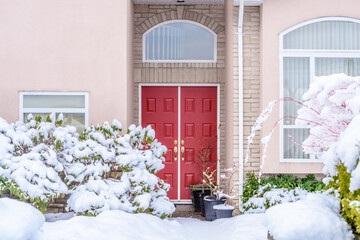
(203, 160)
(225, 210)
(214, 198)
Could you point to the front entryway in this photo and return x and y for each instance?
(184, 118)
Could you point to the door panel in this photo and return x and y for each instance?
(160, 110)
(198, 129)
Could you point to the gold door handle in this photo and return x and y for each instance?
(182, 153)
(175, 153)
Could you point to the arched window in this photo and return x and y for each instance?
(318, 47)
(179, 41)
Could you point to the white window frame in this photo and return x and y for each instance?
(84, 110)
(178, 61)
(311, 54)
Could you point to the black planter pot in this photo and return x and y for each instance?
(202, 204)
(199, 200)
(210, 202)
(197, 193)
(224, 212)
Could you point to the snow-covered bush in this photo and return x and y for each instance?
(260, 193)
(101, 169)
(268, 197)
(31, 162)
(114, 171)
(332, 108)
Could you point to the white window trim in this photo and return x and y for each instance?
(84, 110)
(178, 61)
(311, 54)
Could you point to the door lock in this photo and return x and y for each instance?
(182, 142)
(175, 142)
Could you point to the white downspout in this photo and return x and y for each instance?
(241, 119)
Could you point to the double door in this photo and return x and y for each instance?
(185, 121)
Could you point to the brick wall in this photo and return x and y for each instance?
(57, 205)
(212, 16)
(251, 85)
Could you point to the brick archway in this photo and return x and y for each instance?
(180, 14)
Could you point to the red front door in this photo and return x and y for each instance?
(196, 123)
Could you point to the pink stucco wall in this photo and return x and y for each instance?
(52, 45)
(277, 16)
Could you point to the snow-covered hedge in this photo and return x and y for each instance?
(332, 111)
(261, 193)
(268, 197)
(101, 169)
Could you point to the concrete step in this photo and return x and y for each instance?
(186, 211)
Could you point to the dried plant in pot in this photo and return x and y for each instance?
(227, 191)
(213, 199)
(204, 161)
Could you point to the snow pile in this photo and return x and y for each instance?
(125, 226)
(102, 169)
(314, 217)
(265, 199)
(18, 220)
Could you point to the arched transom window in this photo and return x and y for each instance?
(318, 47)
(179, 41)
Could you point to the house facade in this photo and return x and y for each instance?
(195, 70)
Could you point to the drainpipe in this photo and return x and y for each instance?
(241, 119)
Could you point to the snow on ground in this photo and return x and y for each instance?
(112, 224)
(314, 217)
(18, 220)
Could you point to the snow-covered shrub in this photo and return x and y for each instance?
(31, 162)
(260, 193)
(268, 197)
(101, 169)
(117, 171)
(333, 108)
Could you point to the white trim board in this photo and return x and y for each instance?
(179, 85)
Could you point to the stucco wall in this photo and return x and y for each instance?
(277, 16)
(48, 45)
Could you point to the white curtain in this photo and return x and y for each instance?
(179, 41)
(296, 80)
(54, 101)
(332, 35)
(328, 66)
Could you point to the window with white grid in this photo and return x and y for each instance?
(318, 47)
